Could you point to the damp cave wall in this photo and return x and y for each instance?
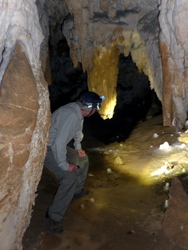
(153, 32)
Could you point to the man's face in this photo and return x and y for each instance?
(88, 112)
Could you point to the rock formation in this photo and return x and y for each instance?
(24, 121)
(108, 29)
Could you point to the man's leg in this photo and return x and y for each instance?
(81, 173)
(65, 191)
(63, 196)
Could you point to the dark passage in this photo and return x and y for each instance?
(136, 102)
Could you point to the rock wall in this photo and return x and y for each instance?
(174, 52)
(24, 112)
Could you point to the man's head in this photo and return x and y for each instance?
(89, 102)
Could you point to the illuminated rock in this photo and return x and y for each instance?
(24, 122)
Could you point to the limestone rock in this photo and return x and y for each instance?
(24, 126)
(183, 137)
(118, 161)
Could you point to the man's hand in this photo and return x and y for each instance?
(81, 152)
(72, 168)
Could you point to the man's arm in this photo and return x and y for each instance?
(77, 141)
(78, 137)
(65, 131)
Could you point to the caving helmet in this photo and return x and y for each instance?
(90, 100)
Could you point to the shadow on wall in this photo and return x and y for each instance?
(136, 102)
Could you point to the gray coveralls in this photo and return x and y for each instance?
(66, 124)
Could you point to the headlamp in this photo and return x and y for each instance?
(102, 97)
(91, 100)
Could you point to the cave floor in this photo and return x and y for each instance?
(125, 208)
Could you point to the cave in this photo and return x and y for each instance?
(133, 53)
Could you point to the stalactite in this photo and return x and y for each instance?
(103, 77)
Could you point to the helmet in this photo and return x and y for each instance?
(90, 100)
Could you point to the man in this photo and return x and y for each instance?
(70, 166)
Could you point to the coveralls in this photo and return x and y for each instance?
(66, 124)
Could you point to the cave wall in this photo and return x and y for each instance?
(174, 53)
(24, 116)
